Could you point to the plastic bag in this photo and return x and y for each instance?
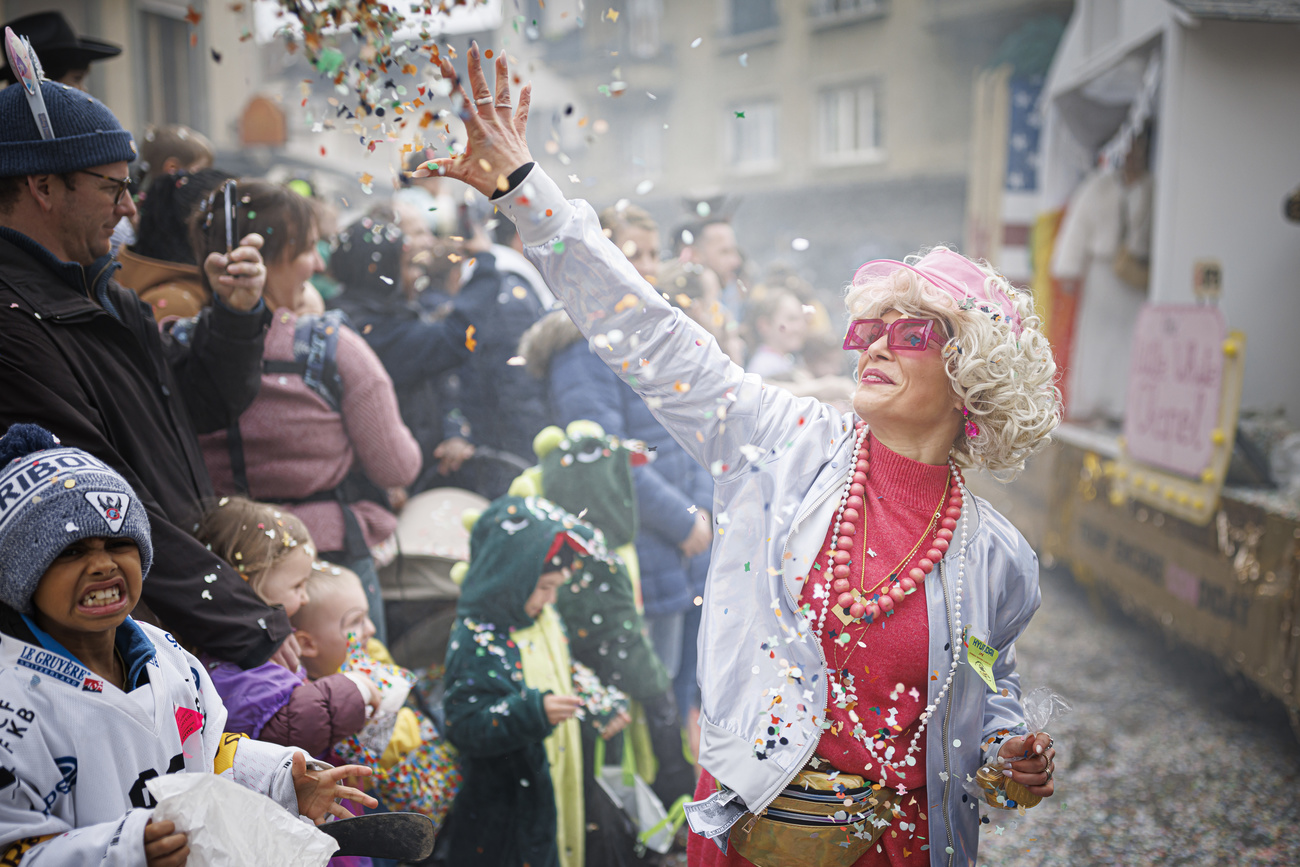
(426, 777)
(231, 826)
(629, 793)
(393, 681)
(990, 785)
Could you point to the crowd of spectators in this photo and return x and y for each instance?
(210, 337)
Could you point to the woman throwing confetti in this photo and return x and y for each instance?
(857, 651)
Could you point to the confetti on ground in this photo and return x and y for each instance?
(1139, 762)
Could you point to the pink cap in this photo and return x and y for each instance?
(955, 274)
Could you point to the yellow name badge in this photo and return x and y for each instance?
(981, 658)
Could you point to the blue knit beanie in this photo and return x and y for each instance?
(86, 133)
(50, 497)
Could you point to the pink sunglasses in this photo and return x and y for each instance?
(910, 335)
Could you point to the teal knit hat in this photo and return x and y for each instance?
(86, 133)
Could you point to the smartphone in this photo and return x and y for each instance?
(226, 222)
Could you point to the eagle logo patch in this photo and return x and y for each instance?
(110, 506)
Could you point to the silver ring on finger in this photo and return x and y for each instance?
(1050, 773)
(505, 105)
(485, 100)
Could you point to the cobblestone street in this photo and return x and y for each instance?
(1165, 759)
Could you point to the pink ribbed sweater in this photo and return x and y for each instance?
(294, 445)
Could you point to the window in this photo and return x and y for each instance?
(846, 8)
(749, 16)
(643, 19)
(751, 140)
(849, 117)
(172, 78)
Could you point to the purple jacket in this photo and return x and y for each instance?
(274, 704)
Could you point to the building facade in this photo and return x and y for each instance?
(182, 61)
(846, 123)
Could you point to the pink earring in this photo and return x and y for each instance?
(972, 429)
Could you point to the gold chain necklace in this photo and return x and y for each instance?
(934, 519)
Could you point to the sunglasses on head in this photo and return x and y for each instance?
(911, 335)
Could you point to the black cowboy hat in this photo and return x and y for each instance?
(57, 45)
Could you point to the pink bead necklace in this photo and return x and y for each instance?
(896, 585)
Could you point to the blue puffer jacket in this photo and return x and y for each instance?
(581, 386)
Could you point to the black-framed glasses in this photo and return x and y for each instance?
(123, 184)
(907, 334)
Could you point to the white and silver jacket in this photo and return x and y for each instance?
(778, 463)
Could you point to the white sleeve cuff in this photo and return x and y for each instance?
(537, 207)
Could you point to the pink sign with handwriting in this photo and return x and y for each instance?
(1175, 383)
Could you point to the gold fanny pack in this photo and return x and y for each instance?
(813, 818)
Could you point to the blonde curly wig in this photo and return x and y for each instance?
(1006, 381)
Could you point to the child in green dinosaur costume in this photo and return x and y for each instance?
(510, 705)
(589, 474)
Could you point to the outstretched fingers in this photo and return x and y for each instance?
(495, 141)
(478, 84)
(502, 99)
(467, 113)
(521, 112)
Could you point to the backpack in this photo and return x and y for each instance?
(315, 359)
(315, 356)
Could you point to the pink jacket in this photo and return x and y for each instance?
(295, 445)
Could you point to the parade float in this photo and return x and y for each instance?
(1172, 512)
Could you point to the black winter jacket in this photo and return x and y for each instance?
(113, 384)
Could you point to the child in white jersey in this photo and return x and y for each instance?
(93, 704)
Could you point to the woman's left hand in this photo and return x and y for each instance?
(1030, 761)
(319, 791)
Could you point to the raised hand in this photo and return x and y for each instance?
(319, 791)
(239, 278)
(493, 124)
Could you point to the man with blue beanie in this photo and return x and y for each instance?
(82, 356)
(92, 704)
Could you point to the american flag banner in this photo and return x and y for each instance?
(1020, 187)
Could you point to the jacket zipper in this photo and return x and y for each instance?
(947, 712)
(758, 811)
(98, 274)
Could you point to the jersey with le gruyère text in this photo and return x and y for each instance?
(76, 753)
